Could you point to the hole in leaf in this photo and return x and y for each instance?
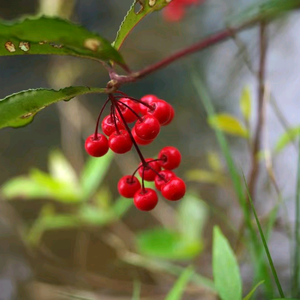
(152, 3)
(92, 44)
(10, 47)
(25, 46)
(138, 6)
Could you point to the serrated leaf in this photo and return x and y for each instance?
(133, 17)
(248, 297)
(226, 272)
(245, 103)
(18, 109)
(54, 36)
(286, 138)
(93, 174)
(167, 244)
(179, 287)
(192, 217)
(228, 124)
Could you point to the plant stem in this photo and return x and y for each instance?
(260, 112)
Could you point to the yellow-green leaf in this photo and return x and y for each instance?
(228, 124)
(245, 103)
(286, 138)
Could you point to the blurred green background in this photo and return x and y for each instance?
(65, 232)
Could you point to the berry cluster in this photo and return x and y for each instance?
(149, 113)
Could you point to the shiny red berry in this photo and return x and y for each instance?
(96, 147)
(120, 142)
(109, 126)
(164, 178)
(171, 116)
(174, 189)
(147, 128)
(128, 185)
(138, 140)
(145, 199)
(127, 110)
(170, 157)
(147, 99)
(150, 171)
(161, 110)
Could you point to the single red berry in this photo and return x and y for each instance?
(150, 171)
(120, 142)
(138, 140)
(160, 110)
(164, 178)
(109, 126)
(147, 128)
(170, 157)
(145, 199)
(174, 189)
(127, 111)
(96, 147)
(128, 185)
(148, 100)
(171, 116)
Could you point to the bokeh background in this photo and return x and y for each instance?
(87, 261)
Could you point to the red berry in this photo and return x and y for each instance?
(149, 174)
(174, 189)
(159, 181)
(128, 114)
(145, 199)
(147, 99)
(96, 147)
(138, 140)
(108, 125)
(120, 142)
(128, 185)
(170, 157)
(160, 110)
(171, 116)
(147, 128)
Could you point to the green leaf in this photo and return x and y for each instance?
(56, 189)
(94, 173)
(286, 138)
(205, 177)
(121, 207)
(214, 161)
(193, 214)
(167, 244)
(52, 35)
(178, 288)
(61, 169)
(228, 124)
(245, 103)
(225, 268)
(92, 216)
(135, 14)
(18, 109)
(23, 187)
(248, 297)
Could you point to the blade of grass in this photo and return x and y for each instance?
(260, 265)
(280, 290)
(296, 273)
(136, 290)
(178, 288)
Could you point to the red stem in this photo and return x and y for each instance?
(98, 120)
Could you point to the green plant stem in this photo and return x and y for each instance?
(296, 275)
(265, 244)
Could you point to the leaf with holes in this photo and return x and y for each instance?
(53, 36)
(228, 124)
(226, 272)
(18, 109)
(138, 10)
